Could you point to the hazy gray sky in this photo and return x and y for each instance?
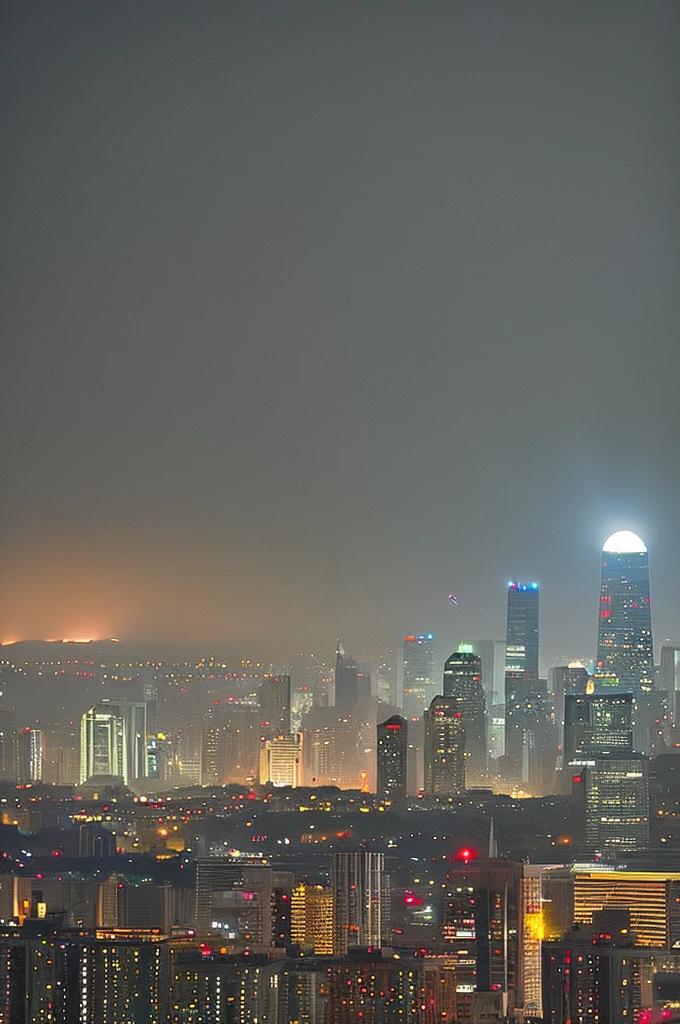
(316, 312)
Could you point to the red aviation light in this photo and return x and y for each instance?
(466, 854)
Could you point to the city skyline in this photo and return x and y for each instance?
(339, 547)
(570, 650)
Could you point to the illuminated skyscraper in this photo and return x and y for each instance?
(113, 741)
(482, 915)
(444, 749)
(420, 685)
(30, 755)
(360, 899)
(617, 803)
(624, 638)
(463, 687)
(392, 753)
(312, 918)
(521, 667)
(281, 761)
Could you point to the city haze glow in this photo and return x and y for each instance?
(623, 542)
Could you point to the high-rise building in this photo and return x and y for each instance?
(312, 918)
(669, 679)
(481, 922)
(563, 680)
(624, 636)
(113, 741)
(360, 899)
(617, 803)
(392, 756)
(492, 654)
(521, 651)
(596, 975)
(651, 898)
(212, 753)
(597, 724)
(521, 667)
(30, 755)
(463, 687)
(352, 684)
(234, 897)
(275, 704)
(420, 685)
(444, 749)
(281, 761)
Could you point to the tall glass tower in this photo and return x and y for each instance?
(624, 635)
(420, 685)
(521, 668)
(463, 687)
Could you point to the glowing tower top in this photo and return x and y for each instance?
(624, 638)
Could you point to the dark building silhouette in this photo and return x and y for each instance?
(597, 724)
(481, 922)
(351, 684)
(391, 756)
(563, 680)
(275, 699)
(624, 636)
(463, 687)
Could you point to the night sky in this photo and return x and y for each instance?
(317, 312)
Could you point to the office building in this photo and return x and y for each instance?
(492, 655)
(463, 688)
(597, 724)
(392, 757)
(113, 741)
(481, 923)
(444, 759)
(234, 897)
(594, 976)
(624, 637)
(242, 736)
(312, 920)
(664, 800)
(352, 683)
(281, 761)
(420, 684)
(521, 667)
(361, 897)
(212, 753)
(30, 755)
(651, 897)
(564, 680)
(275, 705)
(669, 680)
(521, 650)
(617, 803)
